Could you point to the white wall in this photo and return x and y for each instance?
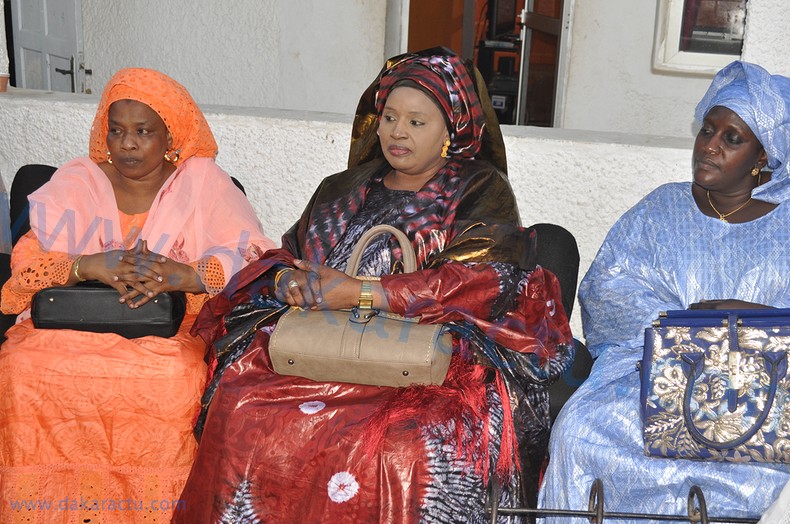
(581, 180)
(318, 55)
(611, 85)
(767, 39)
(289, 54)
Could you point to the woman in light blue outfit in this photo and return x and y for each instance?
(721, 241)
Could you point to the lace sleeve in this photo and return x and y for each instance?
(32, 269)
(213, 277)
(211, 274)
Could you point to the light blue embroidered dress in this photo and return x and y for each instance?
(662, 254)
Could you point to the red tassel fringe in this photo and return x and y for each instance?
(462, 397)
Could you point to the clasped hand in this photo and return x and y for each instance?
(138, 272)
(729, 303)
(314, 286)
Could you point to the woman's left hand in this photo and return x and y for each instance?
(314, 286)
(729, 303)
(148, 274)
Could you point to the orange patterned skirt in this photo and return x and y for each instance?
(96, 428)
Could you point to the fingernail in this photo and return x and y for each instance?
(319, 299)
(121, 300)
(115, 279)
(150, 293)
(159, 278)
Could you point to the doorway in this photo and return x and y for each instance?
(45, 44)
(516, 47)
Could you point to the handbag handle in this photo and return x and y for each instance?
(409, 258)
(775, 364)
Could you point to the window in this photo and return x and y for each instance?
(700, 36)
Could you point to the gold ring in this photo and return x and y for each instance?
(292, 284)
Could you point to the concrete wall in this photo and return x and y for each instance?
(611, 85)
(318, 56)
(766, 41)
(287, 54)
(581, 180)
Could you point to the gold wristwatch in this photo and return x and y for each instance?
(366, 296)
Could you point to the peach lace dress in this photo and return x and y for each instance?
(94, 427)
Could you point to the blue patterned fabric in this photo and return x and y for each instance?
(735, 405)
(762, 101)
(663, 254)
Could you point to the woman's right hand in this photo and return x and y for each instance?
(120, 270)
(299, 288)
(314, 286)
(729, 303)
(103, 267)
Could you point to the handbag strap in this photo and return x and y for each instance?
(775, 363)
(409, 258)
(776, 314)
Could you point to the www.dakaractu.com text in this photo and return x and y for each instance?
(70, 504)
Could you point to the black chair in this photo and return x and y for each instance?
(557, 252)
(27, 179)
(6, 321)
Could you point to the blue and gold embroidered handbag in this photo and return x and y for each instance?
(715, 385)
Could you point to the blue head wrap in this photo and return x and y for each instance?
(762, 101)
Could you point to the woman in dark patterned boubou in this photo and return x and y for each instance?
(286, 449)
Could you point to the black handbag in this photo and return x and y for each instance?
(93, 306)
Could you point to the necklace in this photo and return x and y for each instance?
(723, 216)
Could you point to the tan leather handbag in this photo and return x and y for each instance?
(362, 346)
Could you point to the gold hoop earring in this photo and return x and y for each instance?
(109, 158)
(172, 156)
(755, 171)
(445, 147)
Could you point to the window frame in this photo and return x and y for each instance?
(667, 55)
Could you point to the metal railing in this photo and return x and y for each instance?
(697, 509)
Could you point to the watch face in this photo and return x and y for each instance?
(366, 296)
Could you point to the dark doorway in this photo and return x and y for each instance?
(515, 46)
(9, 37)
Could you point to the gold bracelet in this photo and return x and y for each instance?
(279, 274)
(76, 269)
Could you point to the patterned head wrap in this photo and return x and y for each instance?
(184, 120)
(364, 140)
(762, 101)
(447, 79)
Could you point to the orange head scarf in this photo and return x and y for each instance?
(184, 120)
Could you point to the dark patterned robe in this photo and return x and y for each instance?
(286, 449)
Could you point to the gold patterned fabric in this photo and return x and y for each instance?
(716, 393)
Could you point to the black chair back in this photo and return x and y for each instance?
(558, 252)
(29, 178)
